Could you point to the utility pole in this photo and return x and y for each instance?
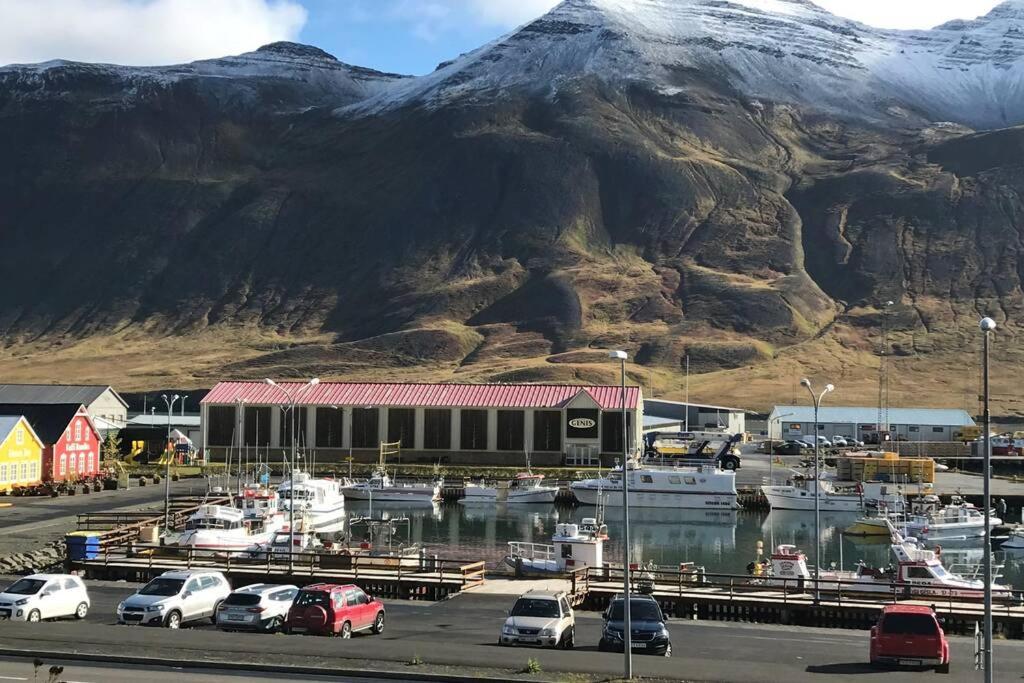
(627, 639)
(987, 327)
(817, 486)
(169, 402)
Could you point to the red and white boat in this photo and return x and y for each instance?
(918, 573)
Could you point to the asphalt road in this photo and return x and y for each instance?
(462, 632)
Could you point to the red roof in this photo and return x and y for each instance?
(380, 394)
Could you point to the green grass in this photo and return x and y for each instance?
(532, 667)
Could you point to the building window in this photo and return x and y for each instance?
(257, 426)
(329, 426)
(510, 430)
(821, 428)
(24, 471)
(63, 464)
(437, 428)
(473, 430)
(938, 430)
(914, 429)
(78, 430)
(611, 430)
(221, 431)
(19, 436)
(3, 472)
(365, 428)
(67, 434)
(402, 426)
(547, 431)
(33, 470)
(285, 432)
(794, 427)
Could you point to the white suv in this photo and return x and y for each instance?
(540, 618)
(261, 606)
(174, 598)
(45, 596)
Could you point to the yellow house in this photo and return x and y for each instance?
(21, 453)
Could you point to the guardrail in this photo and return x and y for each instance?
(119, 528)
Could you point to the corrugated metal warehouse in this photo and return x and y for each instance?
(905, 424)
(470, 423)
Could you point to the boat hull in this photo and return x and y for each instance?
(784, 500)
(483, 496)
(646, 499)
(411, 494)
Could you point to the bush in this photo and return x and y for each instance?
(532, 667)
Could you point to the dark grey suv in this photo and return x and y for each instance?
(648, 632)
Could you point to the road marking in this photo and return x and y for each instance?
(15, 678)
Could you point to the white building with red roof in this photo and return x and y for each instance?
(458, 423)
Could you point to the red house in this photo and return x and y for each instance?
(71, 444)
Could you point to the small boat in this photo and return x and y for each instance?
(525, 488)
(220, 528)
(799, 493)
(319, 501)
(572, 546)
(1015, 541)
(380, 488)
(702, 486)
(918, 573)
(932, 521)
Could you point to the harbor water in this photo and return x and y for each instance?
(724, 542)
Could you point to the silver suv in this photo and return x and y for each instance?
(174, 598)
(542, 618)
(261, 606)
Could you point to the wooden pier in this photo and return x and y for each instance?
(723, 597)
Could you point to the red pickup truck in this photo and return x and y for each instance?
(909, 635)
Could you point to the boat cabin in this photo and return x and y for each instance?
(218, 517)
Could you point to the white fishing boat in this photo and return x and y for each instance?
(257, 503)
(303, 540)
(918, 573)
(380, 488)
(930, 521)
(525, 488)
(319, 501)
(798, 494)
(220, 528)
(572, 546)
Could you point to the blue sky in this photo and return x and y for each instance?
(405, 36)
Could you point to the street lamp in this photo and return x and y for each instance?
(771, 443)
(817, 485)
(169, 402)
(987, 325)
(627, 622)
(183, 399)
(292, 398)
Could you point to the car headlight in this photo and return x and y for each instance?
(547, 632)
(120, 606)
(507, 630)
(23, 601)
(613, 634)
(154, 608)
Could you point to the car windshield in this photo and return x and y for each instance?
(242, 599)
(909, 624)
(528, 607)
(309, 598)
(162, 587)
(639, 610)
(25, 587)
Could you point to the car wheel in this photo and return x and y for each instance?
(275, 624)
(216, 607)
(668, 650)
(378, 623)
(346, 630)
(729, 464)
(173, 620)
(942, 668)
(569, 638)
(601, 646)
(81, 610)
(34, 616)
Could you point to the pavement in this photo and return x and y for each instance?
(460, 635)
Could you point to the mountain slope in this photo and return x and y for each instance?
(678, 179)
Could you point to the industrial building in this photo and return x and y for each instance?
(694, 416)
(905, 424)
(105, 406)
(494, 424)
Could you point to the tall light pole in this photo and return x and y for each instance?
(183, 399)
(771, 442)
(292, 398)
(817, 485)
(988, 325)
(627, 639)
(169, 402)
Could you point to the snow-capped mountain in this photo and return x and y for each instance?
(971, 72)
(309, 75)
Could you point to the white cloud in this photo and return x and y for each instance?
(908, 13)
(509, 13)
(142, 32)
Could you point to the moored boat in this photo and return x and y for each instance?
(525, 488)
(320, 502)
(572, 546)
(380, 487)
(220, 528)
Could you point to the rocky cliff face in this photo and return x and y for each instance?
(741, 182)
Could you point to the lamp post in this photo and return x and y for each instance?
(292, 398)
(183, 399)
(817, 485)
(988, 325)
(627, 644)
(771, 442)
(169, 402)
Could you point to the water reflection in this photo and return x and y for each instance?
(722, 541)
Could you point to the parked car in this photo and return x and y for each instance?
(45, 596)
(648, 632)
(333, 609)
(840, 442)
(909, 635)
(259, 607)
(542, 618)
(823, 442)
(175, 598)
(790, 448)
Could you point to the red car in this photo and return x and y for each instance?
(909, 635)
(332, 609)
